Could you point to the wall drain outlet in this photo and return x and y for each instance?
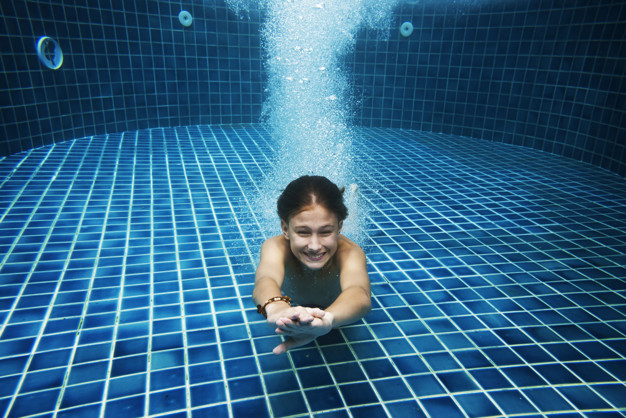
(49, 52)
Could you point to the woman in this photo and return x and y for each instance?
(322, 271)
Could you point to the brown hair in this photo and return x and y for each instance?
(307, 190)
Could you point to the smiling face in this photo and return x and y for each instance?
(313, 236)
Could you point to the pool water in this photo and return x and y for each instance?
(498, 282)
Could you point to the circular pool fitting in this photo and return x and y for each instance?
(185, 19)
(49, 52)
(406, 29)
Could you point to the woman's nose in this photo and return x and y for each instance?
(314, 243)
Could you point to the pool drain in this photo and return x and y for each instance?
(49, 52)
(406, 29)
(185, 19)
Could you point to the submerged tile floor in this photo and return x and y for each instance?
(498, 283)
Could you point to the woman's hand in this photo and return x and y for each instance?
(301, 325)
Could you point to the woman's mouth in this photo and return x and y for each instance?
(315, 257)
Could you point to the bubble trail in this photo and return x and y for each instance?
(309, 107)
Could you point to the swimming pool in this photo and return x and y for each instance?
(491, 143)
(128, 261)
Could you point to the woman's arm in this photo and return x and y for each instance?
(354, 301)
(270, 275)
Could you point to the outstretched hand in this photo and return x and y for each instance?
(301, 325)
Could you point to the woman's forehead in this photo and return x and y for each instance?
(315, 214)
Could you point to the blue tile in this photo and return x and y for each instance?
(590, 372)
(582, 397)
(337, 353)
(368, 411)
(533, 354)
(314, 377)
(405, 408)
(477, 405)
(441, 361)
(378, 368)
(397, 346)
(42, 380)
(471, 359)
(82, 394)
(168, 378)
(503, 356)
(457, 382)
(392, 389)
(203, 354)
(35, 402)
(614, 393)
(92, 352)
(547, 399)
(217, 411)
(167, 401)
(8, 385)
(357, 393)
(126, 386)
(281, 382)
(306, 357)
(208, 393)
(245, 387)
(441, 406)
(129, 365)
(491, 379)
(425, 385)
(240, 367)
(512, 402)
(250, 406)
(524, 376)
(347, 372)
(288, 404)
(556, 374)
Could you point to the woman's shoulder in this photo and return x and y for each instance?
(277, 242)
(274, 251)
(347, 246)
(276, 247)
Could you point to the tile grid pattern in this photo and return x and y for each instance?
(542, 74)
(128, 261)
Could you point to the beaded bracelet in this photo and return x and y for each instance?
(261, 309)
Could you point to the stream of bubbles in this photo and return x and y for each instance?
(309, 107)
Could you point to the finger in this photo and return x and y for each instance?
(280, 349)
(305, 320)
(284, 322)
(284, 346)
(318, 313)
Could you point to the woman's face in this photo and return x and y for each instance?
(313, 236)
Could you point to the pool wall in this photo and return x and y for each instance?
(550, 75)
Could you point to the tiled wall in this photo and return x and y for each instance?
(128, 64)
(547, 74)
(544, 74)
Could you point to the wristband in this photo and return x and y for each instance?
(261, 309)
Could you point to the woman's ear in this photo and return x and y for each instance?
(340, 225)
(285, 227)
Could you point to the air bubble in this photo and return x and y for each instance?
(308, 107)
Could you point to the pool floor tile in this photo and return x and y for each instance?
(127, 263)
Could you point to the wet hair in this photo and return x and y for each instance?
(305, 191)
